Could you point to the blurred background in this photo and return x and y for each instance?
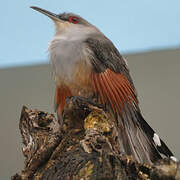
(147, 33)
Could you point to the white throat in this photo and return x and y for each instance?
(67, 48)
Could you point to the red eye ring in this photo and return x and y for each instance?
(73, 19)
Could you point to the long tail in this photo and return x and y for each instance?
(138, 139)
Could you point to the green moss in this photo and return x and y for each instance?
(98, 121)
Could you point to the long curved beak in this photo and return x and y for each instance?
(47, 13)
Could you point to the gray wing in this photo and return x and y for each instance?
(112, 81)
(107, 56)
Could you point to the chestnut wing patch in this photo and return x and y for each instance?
(110, 76)
(114, 88)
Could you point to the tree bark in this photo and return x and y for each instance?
(83, 146)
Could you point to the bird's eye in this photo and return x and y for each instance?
(73, 19)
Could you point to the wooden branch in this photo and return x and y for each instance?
(83, 147)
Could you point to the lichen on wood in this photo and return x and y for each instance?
(83, 146)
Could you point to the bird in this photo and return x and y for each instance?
(87, 64)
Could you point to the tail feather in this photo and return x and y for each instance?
(151, 134)
(137, 137)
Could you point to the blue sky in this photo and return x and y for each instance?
(133, 26)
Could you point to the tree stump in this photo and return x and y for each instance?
(82, 147)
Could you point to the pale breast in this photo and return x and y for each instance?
(71, 66)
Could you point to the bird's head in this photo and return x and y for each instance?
(69, 23)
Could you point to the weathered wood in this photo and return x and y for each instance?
(83, 147)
